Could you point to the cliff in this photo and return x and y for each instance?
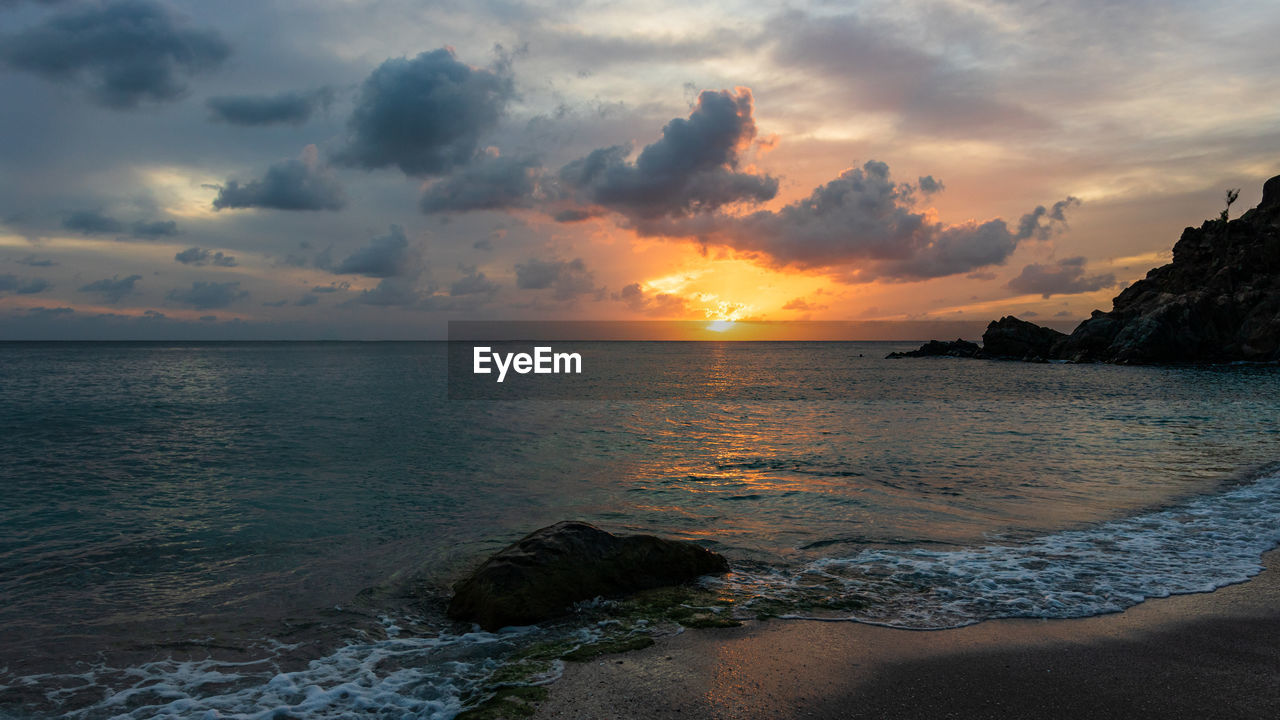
(1218, 301)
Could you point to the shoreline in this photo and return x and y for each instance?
(1203, 655)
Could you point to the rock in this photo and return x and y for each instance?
(542, 575)
(1218, 301)
(936, 348)
(1017, 339)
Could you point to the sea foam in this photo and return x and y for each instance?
(1198, 545)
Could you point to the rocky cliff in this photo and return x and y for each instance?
(1218, 301)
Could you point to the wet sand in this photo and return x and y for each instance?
(1208, 655)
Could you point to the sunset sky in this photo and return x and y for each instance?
(370, 170)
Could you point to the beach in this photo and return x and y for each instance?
(1203, 655)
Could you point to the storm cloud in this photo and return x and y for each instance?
(208, 295)
(693, 168)
(567, 279)
(95, 222)
(297, 184)
(385, 256)
(489, 183)
(114, 288)
(200, 256)
(867, 224)
(23, 286)
(123, 53)
(472, 282)
(287, 108)
(425, 115)
(1066, 277)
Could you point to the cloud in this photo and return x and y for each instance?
(33, 261)
(95, 222)
(929, 186)
(865, 225)
(123, 53)
(114, 288)
(306, 300)
(384, 257)
(802, 304)
(489, 183)
(23, 286)
(1066, 277)
(566, 278)
(425, 115)
(200, 256)
(92, 222)
(472, 282)
(658, 305)
(332, 287)
(291, 108)
(868, 66)
(391, 292)
(208, 295)
(297, 184)
(693, 168)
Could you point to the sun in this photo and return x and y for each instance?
(720, 326)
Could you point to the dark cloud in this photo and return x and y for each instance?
(298, 184)
(154, 229)
(385, 256)
(200, 256)
(292, 108)
(472, 282)
(95, 222)
(306, 300)
(867, 224)
(871, 68)
(693, 168)
(929, 186)
(1066, 277)
(92, 222)
(657, 304)
(33, 261)
(123, 52)
(114, 288)
(208, 295)
(425, 115)
(391, 292)
(332, 287)
(23, 286)
(1039, 223)
(566, 278)
(488, 183)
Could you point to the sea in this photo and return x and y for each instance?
(270, 530)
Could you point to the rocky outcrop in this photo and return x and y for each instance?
(542, 575)
(937, 348)
(1014, 339)
(1218, 301)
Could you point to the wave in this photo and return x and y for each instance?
(1197, 546)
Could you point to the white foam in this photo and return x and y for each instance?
(1198, 546)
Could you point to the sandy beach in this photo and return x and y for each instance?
(1207, 655)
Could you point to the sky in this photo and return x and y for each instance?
(349, 169)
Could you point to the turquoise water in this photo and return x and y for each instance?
(170, 510)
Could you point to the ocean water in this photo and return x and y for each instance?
(269, 530)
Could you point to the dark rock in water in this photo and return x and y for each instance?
(936, 348)
(1016, 339)
(542, 575)
(1218, 301)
